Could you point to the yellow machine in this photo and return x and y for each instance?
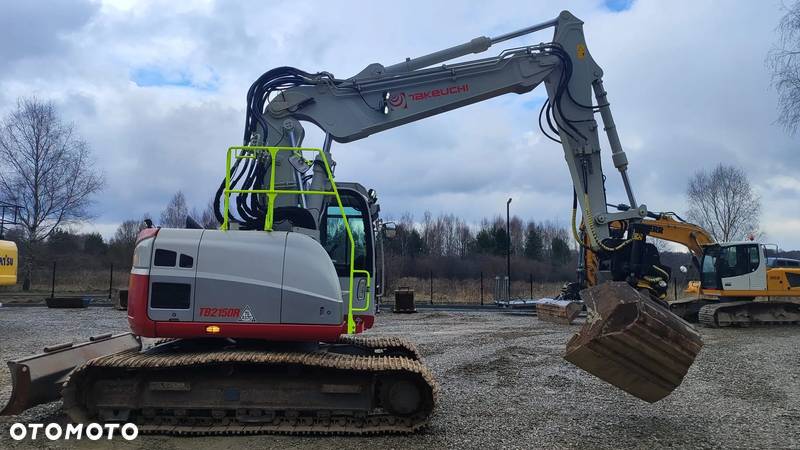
(9, 213)
(738, 282)
(8, 263)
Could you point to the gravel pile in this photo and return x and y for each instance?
(504, 384)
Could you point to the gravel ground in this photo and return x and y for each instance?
(504, 384)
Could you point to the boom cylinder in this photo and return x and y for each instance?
(477, 45)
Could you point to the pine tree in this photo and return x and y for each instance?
(534, 247)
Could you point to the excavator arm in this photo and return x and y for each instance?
(692, 236)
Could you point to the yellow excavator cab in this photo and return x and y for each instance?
(8, 263)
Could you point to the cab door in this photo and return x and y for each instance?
(334, 239)
(742, 267)
(758, 259)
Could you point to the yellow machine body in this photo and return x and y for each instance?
(8, 263)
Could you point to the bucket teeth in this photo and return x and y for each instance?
(632, 342)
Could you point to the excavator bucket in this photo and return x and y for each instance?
(632, 342)
(38, 379)
(557, 311)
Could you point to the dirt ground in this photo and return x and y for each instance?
(504, 384)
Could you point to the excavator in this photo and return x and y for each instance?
(9, 260)
(732, 276)
(259, 322)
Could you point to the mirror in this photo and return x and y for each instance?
(390, 230)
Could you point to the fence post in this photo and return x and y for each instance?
(53, 282)
(110, 280)
(531, 278)
(430, 275)
(481, 288)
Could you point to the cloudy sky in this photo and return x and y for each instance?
(157, 88)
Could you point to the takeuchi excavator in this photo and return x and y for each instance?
(260, 320)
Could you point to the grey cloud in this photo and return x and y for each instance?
(37, 29)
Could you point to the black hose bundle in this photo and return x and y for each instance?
(564, 123)
(249, 174)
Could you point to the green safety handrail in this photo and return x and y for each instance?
(273, 193)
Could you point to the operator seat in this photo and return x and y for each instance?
(286, 217)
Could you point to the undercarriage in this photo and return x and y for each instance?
(747, 312)
(358, 385)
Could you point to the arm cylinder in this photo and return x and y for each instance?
(617, 153)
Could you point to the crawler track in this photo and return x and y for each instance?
(746, 313)
(358, 385)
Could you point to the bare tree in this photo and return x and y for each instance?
(784, 61)
(127, 232)
(121, 246)
(207, 218)
(46, 168)
(174, 215)
(723, 203)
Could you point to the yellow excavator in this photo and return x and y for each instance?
(739, 284)
(8, 249)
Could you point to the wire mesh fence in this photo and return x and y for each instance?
(478, 290)
(61, 277)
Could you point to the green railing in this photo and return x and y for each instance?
(250, 152)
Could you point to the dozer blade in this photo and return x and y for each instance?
(632, 342)
(38, 379)
(557, 311)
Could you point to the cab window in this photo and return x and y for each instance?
(709, 275)
(334, 235)
(754, 257)
(737, 260)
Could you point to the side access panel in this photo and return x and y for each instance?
(239, 276)
(311, 293)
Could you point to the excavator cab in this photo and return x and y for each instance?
(734, 267)
(361, 213)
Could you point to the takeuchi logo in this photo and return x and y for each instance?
(443, 92)
(399, 101)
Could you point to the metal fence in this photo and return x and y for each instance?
(62, 277)
(485, 289)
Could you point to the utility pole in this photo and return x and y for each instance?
(508, 245)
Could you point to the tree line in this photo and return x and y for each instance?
(447, 246)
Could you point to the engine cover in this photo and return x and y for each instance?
(231, 279)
